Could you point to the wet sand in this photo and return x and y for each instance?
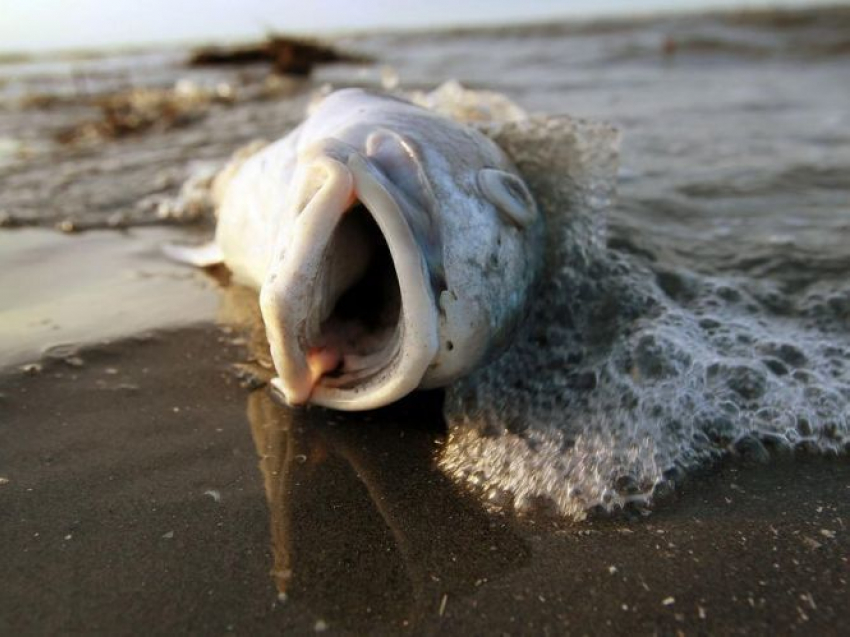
(69, 291)
(147, 490)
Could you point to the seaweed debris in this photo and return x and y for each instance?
(137, 110)
(287, 55)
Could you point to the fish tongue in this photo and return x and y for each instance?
(320, 361)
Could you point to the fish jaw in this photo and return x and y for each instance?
(326, 255)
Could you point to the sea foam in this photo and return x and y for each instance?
(629, 373)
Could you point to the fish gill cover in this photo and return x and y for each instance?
(627, 375)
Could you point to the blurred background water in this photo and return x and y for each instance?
(735, 126)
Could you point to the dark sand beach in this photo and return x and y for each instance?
(146, 491)
(150, 484)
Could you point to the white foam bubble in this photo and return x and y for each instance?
(630, 374)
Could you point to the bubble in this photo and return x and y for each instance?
(626, 485)
(785, 352)
(709, 323)
(776, 366)
(749, 447)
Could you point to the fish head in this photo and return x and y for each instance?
(385, 279)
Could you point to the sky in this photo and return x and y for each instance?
(39, 25)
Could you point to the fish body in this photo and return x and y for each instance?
(393, 249)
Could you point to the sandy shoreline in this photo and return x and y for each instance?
(133, 502)
(57, 281)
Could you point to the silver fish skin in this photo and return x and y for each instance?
(393, 248)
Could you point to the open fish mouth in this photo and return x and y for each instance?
(349, 311)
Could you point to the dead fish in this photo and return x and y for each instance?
(393, 249)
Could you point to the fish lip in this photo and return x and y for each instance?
(416, 341)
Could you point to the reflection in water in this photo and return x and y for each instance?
(364, 527)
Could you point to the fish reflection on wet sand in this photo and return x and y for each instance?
(364, 528)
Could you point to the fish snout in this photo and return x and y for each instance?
(348, 305)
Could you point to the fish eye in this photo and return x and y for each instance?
(509, 195)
